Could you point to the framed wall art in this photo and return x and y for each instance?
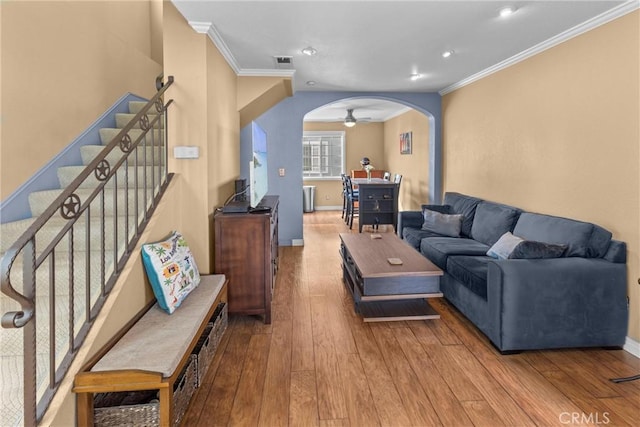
(405, 143)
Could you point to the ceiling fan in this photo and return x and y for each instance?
(350, 120)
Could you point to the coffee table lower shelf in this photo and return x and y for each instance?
(396, 310)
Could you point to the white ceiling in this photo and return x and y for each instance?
(375, 46)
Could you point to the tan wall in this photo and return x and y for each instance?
(364, 139)
(558, 134)
(205, 115)
(63, 65)
(414, 168)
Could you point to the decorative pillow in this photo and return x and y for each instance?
(447, 225)
(504, 246)
(530, 249)
(171, 269)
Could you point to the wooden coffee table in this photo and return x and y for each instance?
(382, 289)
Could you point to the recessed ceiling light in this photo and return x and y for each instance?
(415, 76)
(309, 51)
(447, 53)
(311, 83)
(507, 11)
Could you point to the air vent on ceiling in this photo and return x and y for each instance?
(284, 62)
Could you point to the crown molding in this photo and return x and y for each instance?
(266, 73)
(208, 29)
(588, 25)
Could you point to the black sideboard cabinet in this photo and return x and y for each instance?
(378, 204)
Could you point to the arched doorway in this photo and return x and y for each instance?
(284, 126)
(374, 132)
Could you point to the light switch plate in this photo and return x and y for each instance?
(281, 171)
(186, 152)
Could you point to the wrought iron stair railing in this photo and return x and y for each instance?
(65, 275)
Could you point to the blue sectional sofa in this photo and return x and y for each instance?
(569, 291)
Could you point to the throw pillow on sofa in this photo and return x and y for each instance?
(446, 225)
(530, 249)
(505, 245)
(171, 269)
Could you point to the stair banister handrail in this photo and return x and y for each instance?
(18, 319)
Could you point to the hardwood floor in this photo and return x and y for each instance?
(318, 364)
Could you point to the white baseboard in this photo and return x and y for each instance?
(328, 208)
(632, 346)
(297, 242)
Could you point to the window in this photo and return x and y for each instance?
(322, 154)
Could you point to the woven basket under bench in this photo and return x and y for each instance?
(146, 375)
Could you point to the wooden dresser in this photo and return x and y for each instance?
(246, 251)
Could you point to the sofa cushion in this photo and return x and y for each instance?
(492, 220)
(530, 249)
(437, 249)
(465, 205)
(583, 239)
(413, 236)
(446, 225)
(471, 272)
(505, 245)
(444, 209)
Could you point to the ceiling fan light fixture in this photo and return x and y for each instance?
(415, 76)
(447, 53)
(350, 121)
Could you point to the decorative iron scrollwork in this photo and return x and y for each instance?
(70, 207)
(159, 105)
(102, 170)
(125, 143)
(144, 122)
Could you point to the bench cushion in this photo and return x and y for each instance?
(157, 342)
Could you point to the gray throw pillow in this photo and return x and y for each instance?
(530, 249)
(447, 225)
(503, 248)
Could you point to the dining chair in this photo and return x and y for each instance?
(344, 195)
(352, 202)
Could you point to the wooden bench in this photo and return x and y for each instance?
(150, 352)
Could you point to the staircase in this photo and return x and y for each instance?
(61, 263)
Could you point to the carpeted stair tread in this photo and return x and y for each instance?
(90, 152)
(123, 119)
(40, 200)
(66, 175)
(108, 134)
(136, 106)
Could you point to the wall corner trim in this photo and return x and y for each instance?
(588, 25)
(632, 346)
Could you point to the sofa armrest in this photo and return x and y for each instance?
(555, 303)
(412, 219)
